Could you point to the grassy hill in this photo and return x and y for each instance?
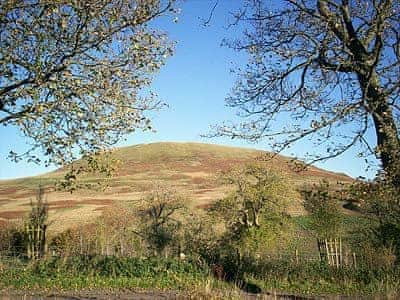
(191, 168)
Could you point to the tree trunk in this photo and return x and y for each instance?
(387, 139)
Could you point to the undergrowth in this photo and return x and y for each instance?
(316, 278)
(122, 273)
(78, 273)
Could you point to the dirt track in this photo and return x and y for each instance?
(125, 295)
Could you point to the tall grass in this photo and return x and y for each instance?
(317, 278)
(188, 277)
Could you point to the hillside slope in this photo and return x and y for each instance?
(191, 168)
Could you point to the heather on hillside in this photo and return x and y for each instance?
(190, 168)
(244, 241)
(296, 193)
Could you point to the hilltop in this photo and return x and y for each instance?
(191, 168)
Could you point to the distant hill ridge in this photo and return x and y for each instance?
(190, 168)
(166, 152)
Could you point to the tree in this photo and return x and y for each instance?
(159, 217)
(258, 193)
(255, 212)
(331, 65)
(253, 215)
(74, 75)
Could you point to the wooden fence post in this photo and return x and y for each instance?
(331, 251)
(36, 247)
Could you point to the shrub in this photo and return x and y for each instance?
(323, 207)
(112, 266)
(380, 201)
(159, 216)
(13, 240)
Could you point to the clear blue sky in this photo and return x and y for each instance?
(194, 83)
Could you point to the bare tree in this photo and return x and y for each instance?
(74, 75)
(332, 66)
(160, 217)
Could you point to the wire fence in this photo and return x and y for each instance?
(336, 259)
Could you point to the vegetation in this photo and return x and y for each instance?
(380, 201)
(99, 272)
(258, 194)
(27, 238)
(253, 214)
(74, 78)
(323, 207)
(316, 278)
(158, 217)
(187, 168)
(244, 240)
(75, 75)
(332, 65)
(36, 227)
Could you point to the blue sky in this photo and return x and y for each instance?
(194, 83)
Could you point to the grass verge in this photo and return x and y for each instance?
(99, 273)
(108, 273)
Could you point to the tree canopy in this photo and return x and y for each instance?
(332, 66)
(75, 75)
(258, 194)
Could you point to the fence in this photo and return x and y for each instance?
(36, 247)
(331, 251)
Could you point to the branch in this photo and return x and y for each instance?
(14, 86)
(207, 22)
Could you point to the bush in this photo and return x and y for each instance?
(159, 216)
(323, 207)
(112, 266)
(380, 201)
(13, 240)
(318, 277)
